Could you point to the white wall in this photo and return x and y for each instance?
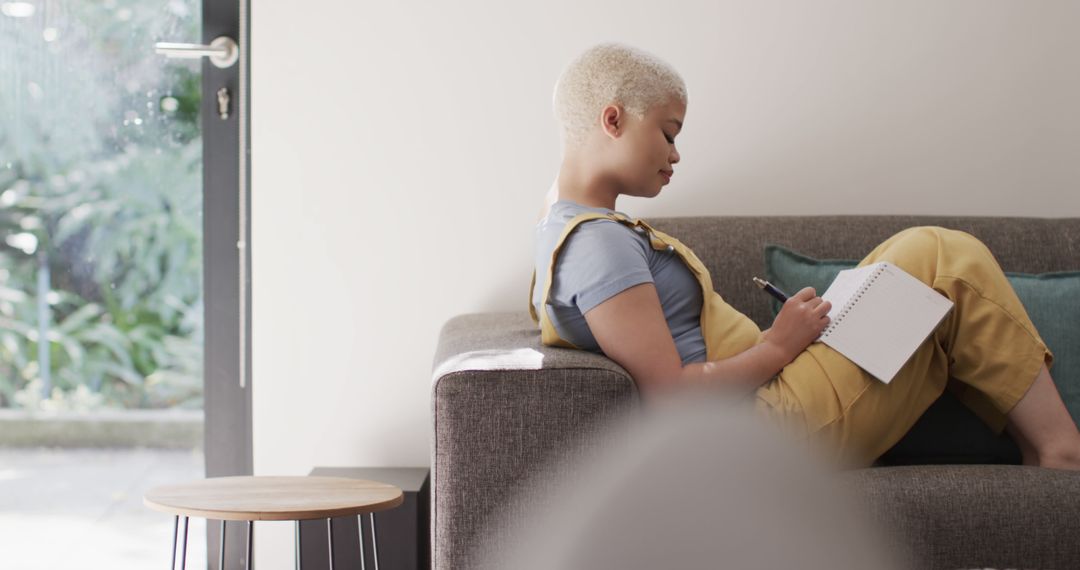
(401, 152)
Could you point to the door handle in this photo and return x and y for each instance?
(222, 51)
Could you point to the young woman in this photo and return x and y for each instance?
(611, 284)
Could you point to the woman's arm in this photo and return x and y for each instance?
(631, 330)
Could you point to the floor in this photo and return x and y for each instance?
(68, 508)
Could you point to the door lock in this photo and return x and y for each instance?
(223, 103)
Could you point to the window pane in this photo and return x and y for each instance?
(101, 318)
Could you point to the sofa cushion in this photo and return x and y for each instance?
(1050, 301)
(977, 516)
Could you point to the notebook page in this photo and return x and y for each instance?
(844, 286)
(885, 327)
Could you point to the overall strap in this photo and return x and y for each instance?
(548, 335)
(726, 331)
(688, 256)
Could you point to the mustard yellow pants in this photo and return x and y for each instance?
(986, 344)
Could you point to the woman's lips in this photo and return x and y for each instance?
(666, 176)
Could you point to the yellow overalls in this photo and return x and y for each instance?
(986, 343)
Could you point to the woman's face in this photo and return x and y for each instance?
(643, 153)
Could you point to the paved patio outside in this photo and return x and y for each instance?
(82, 508)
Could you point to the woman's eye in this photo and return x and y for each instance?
(669, 139)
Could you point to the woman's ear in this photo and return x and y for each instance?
(612, 120)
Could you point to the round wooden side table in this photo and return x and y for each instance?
(268, 498)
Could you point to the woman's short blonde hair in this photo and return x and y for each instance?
(611, 73)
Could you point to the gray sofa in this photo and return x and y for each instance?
(504, 405)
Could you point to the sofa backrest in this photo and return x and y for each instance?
(732, 247)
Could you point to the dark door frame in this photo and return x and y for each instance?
(226, 256)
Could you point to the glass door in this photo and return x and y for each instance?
(123, 282)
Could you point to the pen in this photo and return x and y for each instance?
(771, 289)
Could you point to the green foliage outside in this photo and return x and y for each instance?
(100, 191)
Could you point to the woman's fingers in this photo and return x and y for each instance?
(824, 320)
(812, 310)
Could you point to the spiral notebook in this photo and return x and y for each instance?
(880, 314)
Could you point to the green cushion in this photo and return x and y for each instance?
(948, 431)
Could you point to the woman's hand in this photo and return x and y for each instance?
(800, 322)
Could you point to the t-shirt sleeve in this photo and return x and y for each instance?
(598, 260)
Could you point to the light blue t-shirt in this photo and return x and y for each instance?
(602, 258)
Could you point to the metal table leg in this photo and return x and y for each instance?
(183, 553)
(330, 540)
(175, 528)
(297, 545)
(247, 562)
(360, 533)
(374, 544)
(221, 556)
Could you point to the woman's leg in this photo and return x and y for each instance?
(1043, 428)
(987, 343)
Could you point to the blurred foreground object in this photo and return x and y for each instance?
(699, 482)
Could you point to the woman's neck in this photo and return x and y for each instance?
(576, 185)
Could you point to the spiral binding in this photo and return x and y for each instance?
(852, 301)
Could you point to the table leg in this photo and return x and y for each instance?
(247, 561)
(175, 535)
(330, 540)
(374, 545)
(221, 556)
(297, 545)
(360, 532)
(183, 553)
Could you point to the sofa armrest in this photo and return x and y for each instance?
(503, 406)
(977, 516)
